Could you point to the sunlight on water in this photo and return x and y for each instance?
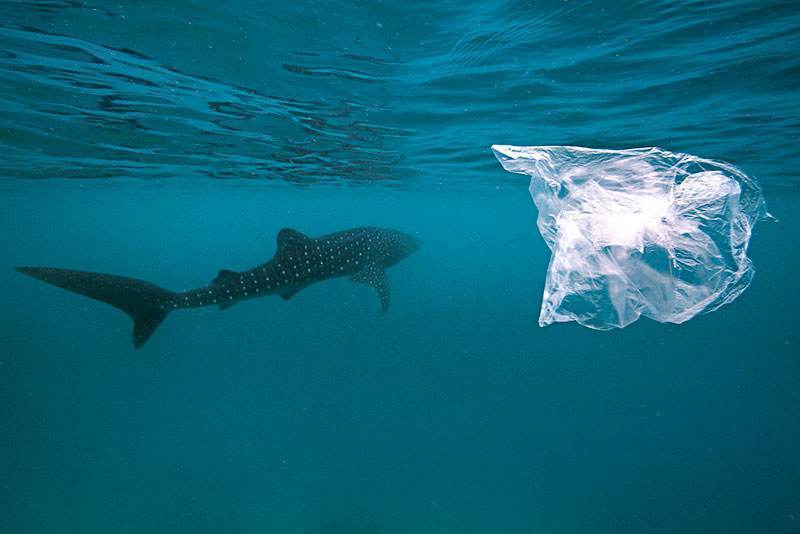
(403, 94)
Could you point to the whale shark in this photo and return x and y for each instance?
(363, 254)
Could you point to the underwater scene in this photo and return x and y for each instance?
(399, 267)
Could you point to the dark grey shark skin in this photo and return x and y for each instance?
(361, 253)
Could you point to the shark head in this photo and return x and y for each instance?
(396, 246)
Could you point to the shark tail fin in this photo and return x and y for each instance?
(147, 304)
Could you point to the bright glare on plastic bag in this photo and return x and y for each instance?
(637, 232)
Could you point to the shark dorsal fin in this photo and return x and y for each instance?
(290, 240)
(374, 276)
(225, 276)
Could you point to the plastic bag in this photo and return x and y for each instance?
(637, 232)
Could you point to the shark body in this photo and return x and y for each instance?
(360, 253)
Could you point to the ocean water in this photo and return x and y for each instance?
(168, 140)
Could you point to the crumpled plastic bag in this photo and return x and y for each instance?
(638, 232)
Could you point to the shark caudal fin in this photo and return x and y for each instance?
(147, 304)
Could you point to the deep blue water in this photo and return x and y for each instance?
(165, 141)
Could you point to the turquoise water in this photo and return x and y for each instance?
(167, 141)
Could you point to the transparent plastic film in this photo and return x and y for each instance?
(637, 232)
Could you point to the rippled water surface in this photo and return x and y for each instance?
(168, 140)
(392, 92)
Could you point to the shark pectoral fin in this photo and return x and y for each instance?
(226, 304)
(376, 277)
